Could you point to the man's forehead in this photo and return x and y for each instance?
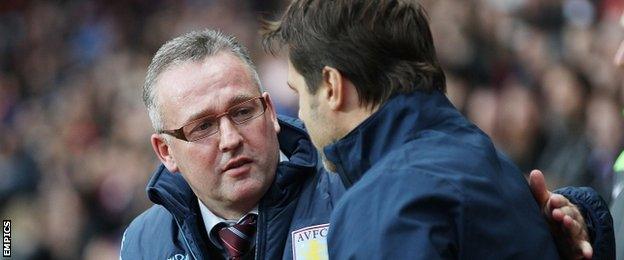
(215, 71)
(219, 105)
(227, 65)
(192, 88)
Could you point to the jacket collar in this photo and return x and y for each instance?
(171, 191)
(397, 121)
(302, 163)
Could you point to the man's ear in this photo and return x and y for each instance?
(334, 84)
(161, 148)
(270, 110)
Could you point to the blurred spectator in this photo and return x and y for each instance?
(535, 75)
(519, 124)
(605, 132)
(566, 154)
(482, 110)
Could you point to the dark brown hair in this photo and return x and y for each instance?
(383, 46)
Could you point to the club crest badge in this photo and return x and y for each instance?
(310, 243)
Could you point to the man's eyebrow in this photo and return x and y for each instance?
(210, 111)
(238, 99)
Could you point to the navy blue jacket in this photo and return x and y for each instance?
(425, 183)
(301, 197)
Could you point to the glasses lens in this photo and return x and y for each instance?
(201, 128)
(246, 111)
(209, 125)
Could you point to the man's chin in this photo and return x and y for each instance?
(246, 191)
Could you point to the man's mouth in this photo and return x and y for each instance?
(235, 163)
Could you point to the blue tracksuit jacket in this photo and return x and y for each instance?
(425, 183)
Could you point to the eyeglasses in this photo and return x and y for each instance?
(209, 125)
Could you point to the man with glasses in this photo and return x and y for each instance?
(233, 171)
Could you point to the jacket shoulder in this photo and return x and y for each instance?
(151, 235)
(149, 221)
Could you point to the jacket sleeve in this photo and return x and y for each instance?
(126, 249)
(129, 245)
(149, 236)
(597, 217)
(122, 253)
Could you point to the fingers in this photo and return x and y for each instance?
(567, 219)
(573, 227)
(568, 222)
(577, 235)
(558, 201)
(576, 231)
(538, 187)
(559, 207)
(587, 250)
(558, 215)
(561, 213)
(565, 214)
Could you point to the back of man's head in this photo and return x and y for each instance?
(384, 47)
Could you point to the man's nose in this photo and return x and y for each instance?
(230, 137)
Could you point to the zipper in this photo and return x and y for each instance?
(260, 230)
(184, 238)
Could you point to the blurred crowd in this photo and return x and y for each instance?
(535, 75)
(538, 77)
